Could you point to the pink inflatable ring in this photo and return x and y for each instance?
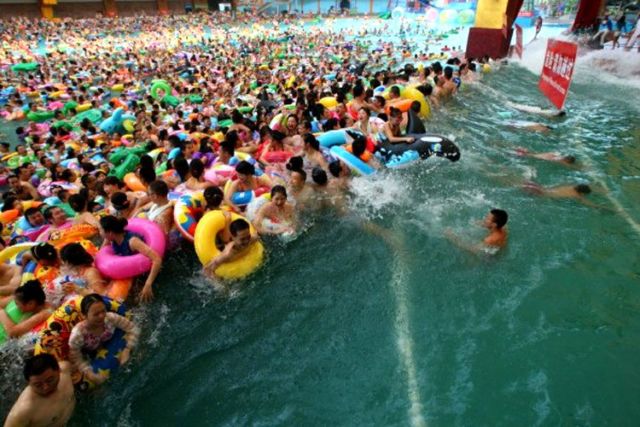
(113, 266)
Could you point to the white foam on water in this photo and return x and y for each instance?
(462, 386)
(125, 419)
(159, 327)
(404, 341)
(604, 66)
(371, 195)
(609, 66)
(537, 383)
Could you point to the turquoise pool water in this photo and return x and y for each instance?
(343, 327)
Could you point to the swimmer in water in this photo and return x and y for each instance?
(537, 110)
(241, 242)
(530, 126)
(49, 398)
(577, 192)
(276, 216)
(495, 222)
(550, 157)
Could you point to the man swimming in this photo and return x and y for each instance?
(549, 156)
(495, 222)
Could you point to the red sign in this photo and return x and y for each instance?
(519, 41)
(558, 70)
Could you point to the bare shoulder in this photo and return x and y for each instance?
(20, 412)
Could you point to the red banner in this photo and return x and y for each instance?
(519, 41)
(557, 71)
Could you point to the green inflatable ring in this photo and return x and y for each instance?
(16, 316)
(157, 85)
(129, 164)
(69, 106)
(40, 116)
(62, 124)
(162, 168)
(245, 110)
(225, 123)
(25, 66)
(171, 100)
(94, 115)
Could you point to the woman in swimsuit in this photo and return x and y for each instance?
(126, 243)
(276, 216)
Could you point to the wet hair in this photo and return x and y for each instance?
(147, 174)
(415, 106)
(66, 175)
(278, 189)
(78, 202)
(302, 173)
(8, 203)
(561, 113)
(245, 168)
(582, 189)
(335, 168)
(319, 176)
(237, 226)
(88, 301)
(39, 364)
(500, 217)
(119, 200)
(330, 124)
(308, 138)
(448, 72)
(113, 180)
(182, 167)
(380, 99)
(359, 146)
(196, 168)
(358, 90)
(295, 163)
(159, 187)
(395, 112)
(213, 196)
(395, 90)
(75, 254)
(30, 291)
(44, 252)
(30, 212)
(112, 224)
(426, 89)
(48, 213)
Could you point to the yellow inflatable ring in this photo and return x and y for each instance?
(328, 102)
(83, 107)
(205, 245)
(415, 95)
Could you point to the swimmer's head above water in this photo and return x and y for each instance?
(582, 189)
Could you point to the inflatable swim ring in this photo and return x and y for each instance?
(113, 266)
(186, 213)
(205, 246)
(53, 339)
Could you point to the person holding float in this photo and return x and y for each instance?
(93, 333)
(133, 248)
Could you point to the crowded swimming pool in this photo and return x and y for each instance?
(355, 324)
